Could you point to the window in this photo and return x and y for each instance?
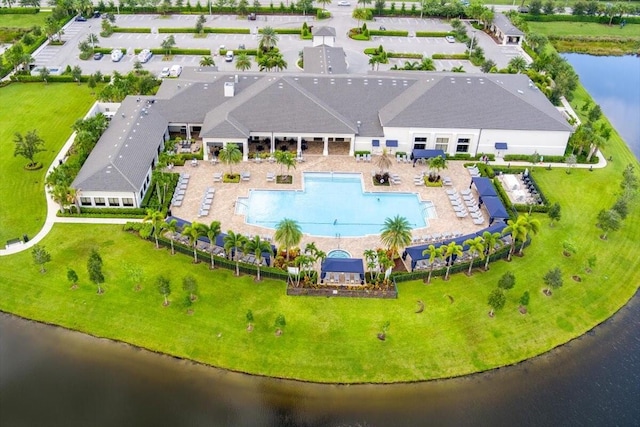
(114, 201)
(442, 144)
(127, 202)
(85, 201)
(463, 145)
(420, 139)
(99, 201)
(419, 146)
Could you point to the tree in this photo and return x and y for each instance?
(28, 146)
(496, 300)
(44, 74)
(487, 66)
(553, 279)
(135, 273)
(529, 225)
(396, 233)
(94, 268)
(285, 158)
(172, 227)
(168, 44)
(524, 299)
(537, 41)
(608, 221)
(629, 178)
(507, 281)
(190, 286)
(437, 163)
(40, 257)
(288, 234)
(230, 155)
(360, 14)
(518, 64)
(554, 213)
(76, 73)
(516, 230)
(233, 243)
(324, 3)
(200, 24)
(383, 162)
(622, 207)
(433, 253)
(156, 218)
(257, 247)
(243, 62)
(164, 287)
(212, 232)
(270, 60)
(476, 246)
(207, 61)
(280, 323)
(595, 113)
(268, 39)
(491, 242)
(249, 317)
(192, 232)
(427, 64)
(448, 252)
(72, 277)
(371, 256)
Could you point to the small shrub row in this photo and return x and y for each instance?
(131, 30)
(603, 19)
(361, 152)
(208, 30)
(527, 158)
(19, 10)
(433, 34)
(99, 215)
(285, 30)
(404, 55)
(389, 33)
(450, 56)
(22, 78)
(180, 51)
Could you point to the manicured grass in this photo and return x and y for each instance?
(590, 29)
(51, 109)
(23, 21)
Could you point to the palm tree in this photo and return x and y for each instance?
(288, 234)
(168, 44)
(529, 225)
(490, 242)
(324, 3)
(396, 233)
(257, 246)
(172, 226)
(516, 230)
(448, 252)
(371, 256)
(230, 155)
(383, 162)
(212, 231)
(156, 218)
(433, 253)
(243, 62)
(427, 64)
(268, 39)
(207, 61)
(233, 242)
(285, 158)
(517, 64)
(192, 232)
(476, 246)
(360, 13)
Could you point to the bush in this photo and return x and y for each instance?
(404, 55)
(19, 10)
(433, 34)
(131, 30)
(450, 56)
(396, 33)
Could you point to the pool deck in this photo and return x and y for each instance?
(223, 207)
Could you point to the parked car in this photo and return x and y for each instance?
(165, 72)
(144, 56)
(98, 56)
(383, 28)
(252, 16)
(81, 18)
(523, 9)
(241, 46)
(229, 56)
(175, 70)
(116, 55)
(450, 39)
(344, 3)
(96, 14)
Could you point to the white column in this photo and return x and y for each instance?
(352, 145)
(245, 150)
(325, 150)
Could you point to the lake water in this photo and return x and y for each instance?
(614, 83)
(53, 377)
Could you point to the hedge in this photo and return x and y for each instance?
(450, 56)
(527, 157)
(297, 31)
(579, 18)
(131, 30)
(179, 51)
(208, 30)
(19, 10)
(100, 214)
(404, 55)
(65, 78)
(433, 34)
(397, 33)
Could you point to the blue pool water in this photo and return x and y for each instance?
(338, 253)
(333, 204)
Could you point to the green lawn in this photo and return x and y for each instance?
(51, 109)
(23, 21)
(590, 29)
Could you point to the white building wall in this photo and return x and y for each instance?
(406, 137)
(95, 195)
(524, 142)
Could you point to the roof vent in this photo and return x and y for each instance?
(229, 89)
(520, 92)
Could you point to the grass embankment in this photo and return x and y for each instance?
(23, 21)
(51, 110)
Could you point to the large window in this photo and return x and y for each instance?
(463, 145)
(114, 201)
(85, 201)
(99, 201)
(419, 142)
(442, 144)
(127, 202)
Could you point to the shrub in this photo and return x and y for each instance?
(433, 34)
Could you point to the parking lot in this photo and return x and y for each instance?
(290, 45)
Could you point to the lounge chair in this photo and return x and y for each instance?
(461, 214)
(245, 176)
(465, 192)
(451, 192)
(271, 176)
(458, 208)
(478, 221)
(217, 177)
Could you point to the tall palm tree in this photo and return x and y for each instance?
(156, 218)
(233, 242)
(427, 64)
(530, 225)
(516, 230)
(257, 247)
(324, 3)
(517, 64)
(207, 61)
(476, 248)
(243, 62)
(384, 162)
(192, 232)
(285, 158)
(230, 155)
(396, 233)
(448, 252)
(172, 226)
(371, 256)
(268, 39)
(433, 253)
(212, 231)
(288, 234)
(491, 240)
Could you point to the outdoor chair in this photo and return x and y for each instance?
(245, 176)
(465, 192)
(217, 177)
(271, 176)
(478, 221)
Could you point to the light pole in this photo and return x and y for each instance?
(473, 38)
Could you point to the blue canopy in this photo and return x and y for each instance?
(391, 142)
(484, 186)
(375, 143)
(495, 228)
(495, 208)
(501, 145)
(342, 265)
(426, 154)
(415, 252)
(180, 222)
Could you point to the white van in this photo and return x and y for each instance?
(144, 56)
(229, 56)
(175, 70)
(116, 55)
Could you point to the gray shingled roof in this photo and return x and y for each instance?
(122, 156)
(324, 31)
(502, 22)
(324, 59)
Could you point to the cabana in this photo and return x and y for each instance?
(342, 265)
(415, 252)
(417, 154)
(494, 228)
(181, 223)
(495, 208)
(484, 186)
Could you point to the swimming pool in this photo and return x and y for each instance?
(334, 205)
